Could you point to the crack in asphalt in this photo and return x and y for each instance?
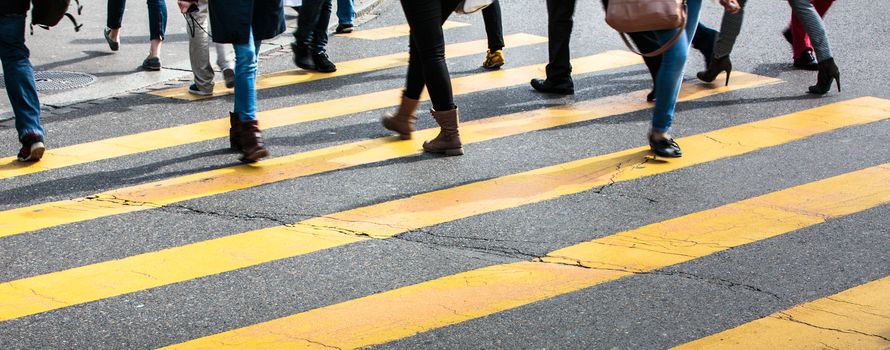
(786, 317)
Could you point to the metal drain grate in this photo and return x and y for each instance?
(58, 80)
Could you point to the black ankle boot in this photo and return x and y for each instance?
(828, 72)
(234, 131)
(302, 56)
(715, 67)
(806, 61)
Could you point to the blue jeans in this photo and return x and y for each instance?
(312, 24)
(345, 11)
(245, 78)
(19, 75)
(157, 16)
(670, 75)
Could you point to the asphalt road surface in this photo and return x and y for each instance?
(557, 229)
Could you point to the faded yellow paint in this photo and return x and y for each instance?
(22, 297)
(150, 195)
(856, 318)
(364, 65)
(394, 31)
(406, 311)
(219, 128)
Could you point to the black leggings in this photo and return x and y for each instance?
(494, 29)
(426, 65)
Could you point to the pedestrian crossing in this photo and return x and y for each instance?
(406, 311)
(358, 66)
(219, 128)
(168, 191)
(395, 31)
(851, 319)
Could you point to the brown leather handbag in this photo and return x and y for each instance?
(629, 16)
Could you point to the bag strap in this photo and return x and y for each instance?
(664, 47)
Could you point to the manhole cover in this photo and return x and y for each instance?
(58, 80)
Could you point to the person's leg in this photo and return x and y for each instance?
(18, 74)
(559, 32)
(704, 40)
(428, 47)
(812, 24)
(730, 27)
(245, 80)
(157, 24)
(319, 38)
(199, 50)
(670, 76)
(115, 17)
(345, 12)
(307, 21)
(800, 41)
(494, 28)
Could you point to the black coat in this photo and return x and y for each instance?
(230, 19)
(14, 7)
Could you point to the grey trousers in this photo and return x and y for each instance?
(812, 24)
(199, 50)
(730, 27)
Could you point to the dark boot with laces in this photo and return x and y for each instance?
(323, 63)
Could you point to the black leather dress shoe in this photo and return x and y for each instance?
(545, 86)
(667, 148)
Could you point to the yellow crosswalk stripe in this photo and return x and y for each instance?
(364, 65)
(219, 128)
(395, 31)
(406, 311)
(102, 280)
(857, 318)
(202, 184)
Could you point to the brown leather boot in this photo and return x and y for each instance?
(448, 140)
(251, 140)
(403, 121)
(234, 131)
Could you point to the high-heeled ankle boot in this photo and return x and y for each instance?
(448, 140)
(252, 146)
(715, 67)
(828, 72)
(234, 131)
(404, 119)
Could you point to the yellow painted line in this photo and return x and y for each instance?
(364, 65)
(406, 311)
(394, 31)
(857, 318)
(93, 282)
(219, 128)
(162, 192)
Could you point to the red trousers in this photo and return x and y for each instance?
(800, 39)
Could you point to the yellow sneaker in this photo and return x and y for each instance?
(494, 60)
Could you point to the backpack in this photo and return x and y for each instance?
(48, 13)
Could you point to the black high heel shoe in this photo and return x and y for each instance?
(717, 66)
(828, 72)
(667, 148)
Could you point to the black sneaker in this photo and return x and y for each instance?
(32, 148)
(322, 63)
(547, 87)
(344, 29)
(152, 63)
(302, 57)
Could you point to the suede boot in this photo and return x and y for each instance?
(252, 146)
(403, 120)
(234, 131)
(448, 140)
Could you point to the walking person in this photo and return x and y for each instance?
(427, 67)
(811, 22)
(199, 53)
(717, 46)
(257, 20)
(345, 16)
(311, 37)
(670, 78)
(559, 67)
(494, 30)
(802, 51)
(18, 74)
(157, 26)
